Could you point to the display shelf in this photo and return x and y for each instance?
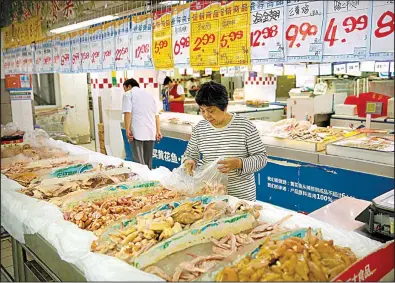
(297, 144)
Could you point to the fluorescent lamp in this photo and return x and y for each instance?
(172, 2)
(84, 24)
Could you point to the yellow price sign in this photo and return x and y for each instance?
(34, 29)
(162, 51)
(234, 26)
(204, 48)
(371, 107)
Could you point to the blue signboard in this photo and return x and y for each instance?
(291, 184)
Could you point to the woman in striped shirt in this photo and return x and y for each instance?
(231, 136)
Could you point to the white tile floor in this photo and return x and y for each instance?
(6, 258)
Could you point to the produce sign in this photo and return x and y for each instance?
(65, 54)
(303, 30)
(141, 41)
(95, 41)
(47, 55)
(56, 53)
(181, 26)
(122, 59)
(382, 25)
(38, 58)
(75, 52)
(162, 46)
(108, 46)
(204, 45)
(267, 31)
(346, 31)
(234, 34)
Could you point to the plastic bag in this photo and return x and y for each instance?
(36, 138)
(10, 128)
(205, 180)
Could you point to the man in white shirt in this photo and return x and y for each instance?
(141, 118)
(192, 87)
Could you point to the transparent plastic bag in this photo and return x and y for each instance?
(10, 128)
(36, 138)
(205, 180)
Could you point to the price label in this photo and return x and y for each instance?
(96, 53)
(353, 68)
(140, 45)
(108, 34)
(122, 60)
(367, 66)
(5, 62)
(346, 30)
(382, 67)
(181, 26)
(13, 61)
(234, 26)
(300, 70)
(28, 59)
(223, 70)
(313, 70)
(303, 30)
(204, 42)
(38, 59)
(85, 50)
(18, 60)
(75, 52)
(162, 50)
(231, 71)
(289, 70)
(325, 69)
(339, 69)
(267, 31)
(65, 51)
(374, 108)
(208, 71)
(47, 56)
(24, 58)
(381, 43)
(243, 69)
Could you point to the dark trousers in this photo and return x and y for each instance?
(142, 152)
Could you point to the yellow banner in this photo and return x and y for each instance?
(204, 46)
(23, 33)
(162, 51)
(234, 34)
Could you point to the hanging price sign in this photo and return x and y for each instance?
(29, 59)
(38, 58)
(75, 39)
(65, 54)
(303, 30)
(346, 30)
(381, 41)
(267, 31)
(56, 54)
(109, 46)
(85, 50)
(204, 42)
(162, 46)
(181, 27)
(18, 60)
(47, 55)
(13, 61)
(95, 41)
(122, 28)
(23, 54)
(140, 45)
(6, 62)
(234, 34)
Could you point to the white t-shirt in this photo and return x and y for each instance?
(144, 108)
(180, 91)
(190, 85)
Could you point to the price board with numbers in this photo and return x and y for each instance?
(267, 31)
(12, 58)
(75, 41)
(18, 60)
(65, 51)
(56, 53)
(85, 50)
(162, 51)
(181, 26)
(381, 33)
(304, 24)
(122, 28)
(6, 62)
(346, 30)
(234, 33)
(47, 55)
(204, 44)
(141, 42)
(38, 58)
(95, 42)
(29, 59)
(108, 46)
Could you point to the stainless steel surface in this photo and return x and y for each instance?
(338, 121)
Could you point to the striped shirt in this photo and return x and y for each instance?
(239, 139)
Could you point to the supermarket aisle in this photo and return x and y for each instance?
(6, 258)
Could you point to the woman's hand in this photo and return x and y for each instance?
(129, 134)
(189, 166)
(158, 136)
(230, 164)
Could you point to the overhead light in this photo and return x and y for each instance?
(172, 2)
(84, 24)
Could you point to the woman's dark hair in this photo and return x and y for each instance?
(212, 94)
(167, 81)
(131, 82)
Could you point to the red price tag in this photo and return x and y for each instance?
(142, 49)
(296, 34)
(107, 53)
(258, 36)
(47, 60)
(203, 41)
(232, 36)
(76, 58)
(181, 44)
(95, 55)
(119, 53)
(84, 55)
(159, 45)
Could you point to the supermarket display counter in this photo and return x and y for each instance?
(376, 123)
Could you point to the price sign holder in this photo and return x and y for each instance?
(181, 29)
(372, 108)
(162, 50)
(204, 48)
(234, 34)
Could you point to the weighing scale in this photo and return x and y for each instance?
(379, 218)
